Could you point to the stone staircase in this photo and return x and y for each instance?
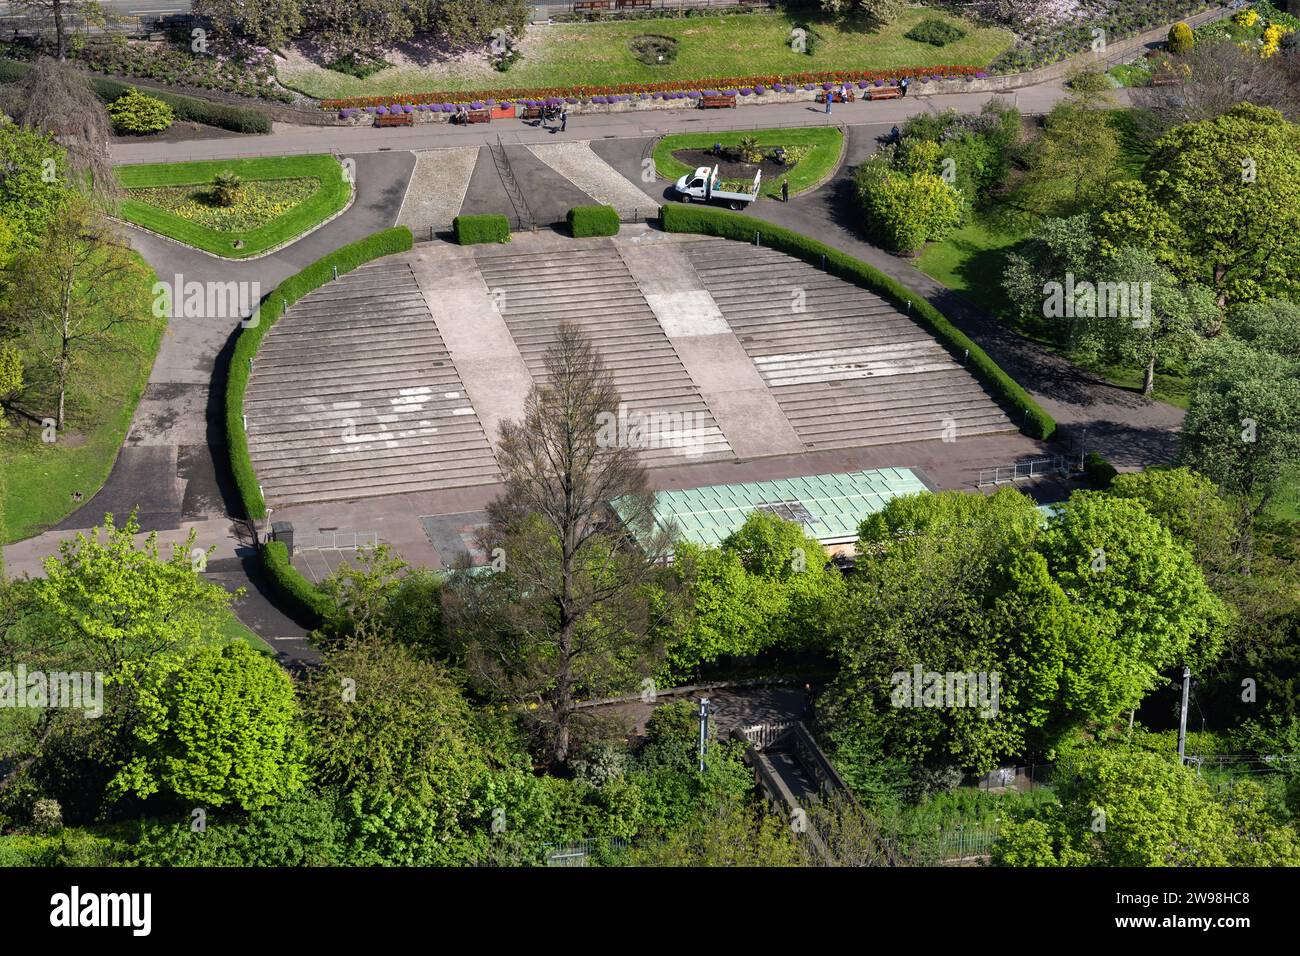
(354, 395)
(589, 285)
(849, 370)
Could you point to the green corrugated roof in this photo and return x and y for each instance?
(835, 503)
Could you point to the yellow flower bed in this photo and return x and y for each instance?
(258, 202)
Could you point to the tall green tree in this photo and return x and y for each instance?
(269, 23)
(568, 613)
(218, 727)
(1242, 428)
(1219, 202)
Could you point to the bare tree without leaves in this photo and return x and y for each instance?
(569, 615)
(72, 289)
(1214, 77)
(55, 98)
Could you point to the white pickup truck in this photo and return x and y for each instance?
(704, 182)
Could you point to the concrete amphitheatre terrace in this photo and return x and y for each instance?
(376, 399)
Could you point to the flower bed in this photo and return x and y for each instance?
(1120, 19)
(258, 203)
(626, 92)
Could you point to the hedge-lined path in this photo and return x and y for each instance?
(1126, 428)
(173, 464)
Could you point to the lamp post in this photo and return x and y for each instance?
(704, 729)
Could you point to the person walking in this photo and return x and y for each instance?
(564, 118)
(903, 84)
(785, 190)
(830, 98)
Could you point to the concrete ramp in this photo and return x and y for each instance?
(602, 182)
(437, 189)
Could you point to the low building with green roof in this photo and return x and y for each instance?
(830, 507)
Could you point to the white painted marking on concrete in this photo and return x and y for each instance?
(687, 313)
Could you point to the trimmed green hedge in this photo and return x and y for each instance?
(240, 119)
(1099, 469)
(289, 291)
(729, 225)
(298, 597)
(472, 230)
(593, 221)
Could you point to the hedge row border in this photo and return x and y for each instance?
(1034, 420)
(273, 305)
(477, 230)
(593, 220)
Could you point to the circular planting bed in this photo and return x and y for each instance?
(653, 49)
(729, 168)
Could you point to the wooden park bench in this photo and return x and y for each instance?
(531, 113)
(717, 102)
(479, 116)
(630, 4)
(1164, 79)
(884, 93)
(586, 6)
(839, 97)
(394, 119)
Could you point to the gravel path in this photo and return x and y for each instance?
(437, 188)
(602, 182)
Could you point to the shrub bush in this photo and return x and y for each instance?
(905, 209)
(298, 597)
(1029, 415)
(238, 119)
(1181, 38)
(593, 221)
(139, 113)
(472, 230)
(289, 291)
(1099, 469)
(936, 32)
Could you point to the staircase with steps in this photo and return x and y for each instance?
(847, 368)
(353, 395)
(590, 286)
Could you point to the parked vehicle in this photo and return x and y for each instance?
(705, 185)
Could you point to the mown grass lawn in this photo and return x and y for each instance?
(277, 203)
(826, 141)
(582, 54)
(229, 629)
(40, 479)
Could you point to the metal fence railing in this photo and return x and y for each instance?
(580, 852)
(336, 541)
(1057, 465)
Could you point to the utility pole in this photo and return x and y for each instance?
(704, 729)
(1182, 715)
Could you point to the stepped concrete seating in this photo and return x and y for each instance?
(849, 370)
(590, 285)
(353, 395)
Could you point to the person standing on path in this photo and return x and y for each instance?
(830, 98)
(564, 118)
(785, 190)
(903, 84)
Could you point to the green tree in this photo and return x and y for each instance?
(1147, 604)
(1273, 324)
(33, 182)
(269, 23)
(1123, 806)
(1058, 247)
(569, 613)
(876, 11)
(122, 601)
(217, 727)
(1188, 506)
(394, 731)
(1074, 160)
(470, 22)
(1227, 191)
(1165, 323)
(1242, 428)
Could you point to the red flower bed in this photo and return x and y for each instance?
(510, 94)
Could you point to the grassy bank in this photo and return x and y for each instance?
(581, 54)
